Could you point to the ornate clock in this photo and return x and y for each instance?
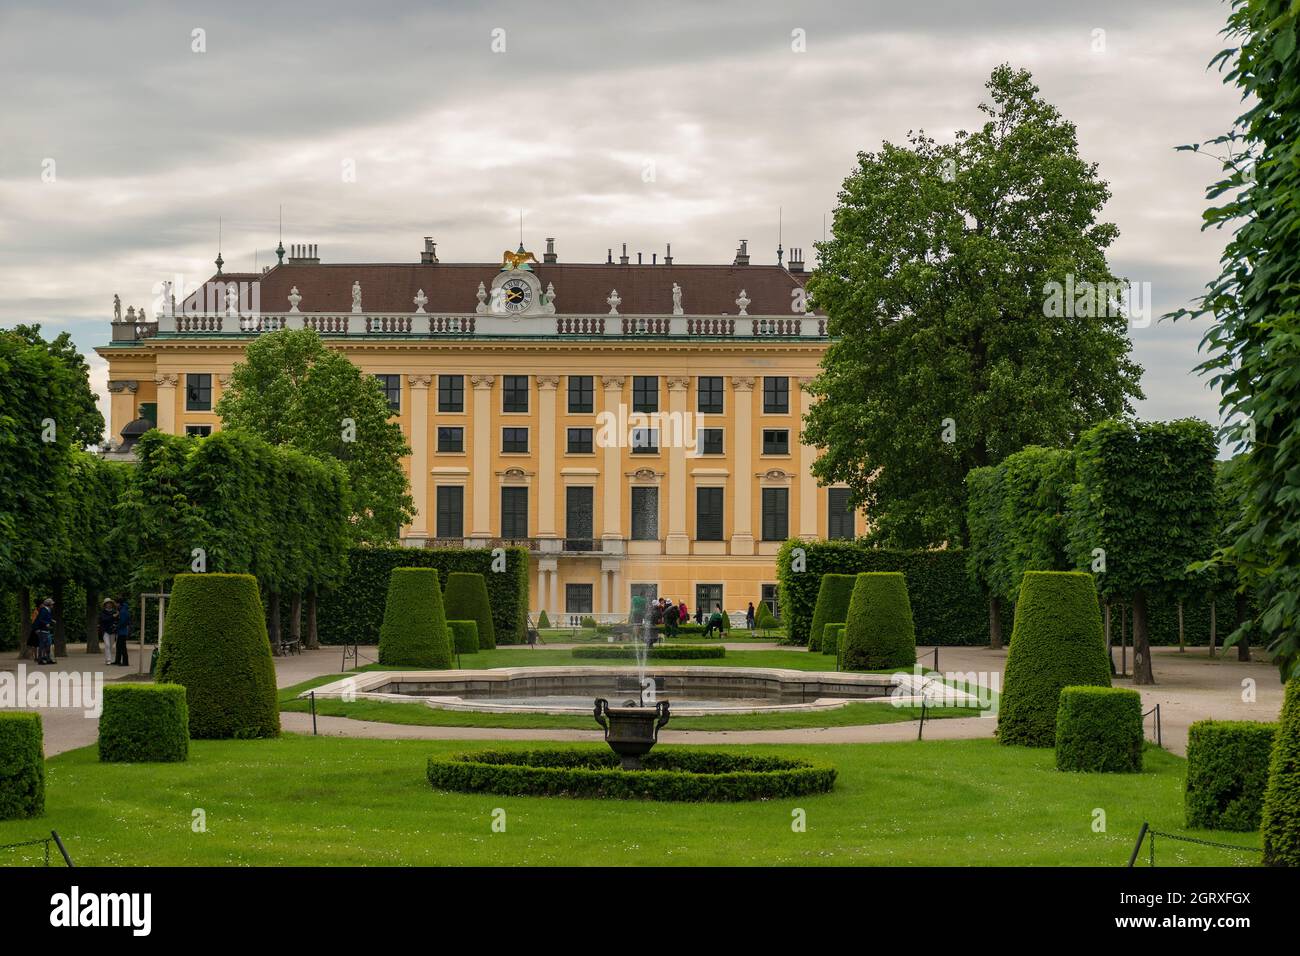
(516, 295)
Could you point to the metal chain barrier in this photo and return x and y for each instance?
(45, 842)
(1147, 831)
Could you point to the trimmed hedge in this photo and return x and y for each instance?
(1057, 642)
(763, 619)
(466, 599)
(1280, 820)
(685, 774)
(947, 607)
(144, 723)
(832, 637)
(414, 632)
(1227, 772)
(833, 596)
(878, 632)
(353, 611)
(1099, 730)
(215, 646)
(22, 766)
(669, 652)
(464, 636)
(543, 620)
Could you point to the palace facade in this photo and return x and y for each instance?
(634, 425)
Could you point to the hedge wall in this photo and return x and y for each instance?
(1227, 771)
(22, 766)
(354, 610)
(947, 608)
(665, 652)
(1099, 730)
(216, 646)
(144, 723)
(681, 774)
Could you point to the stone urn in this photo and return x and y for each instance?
(631, 731)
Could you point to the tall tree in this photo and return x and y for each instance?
(1254, 343)
(83, 420)
(292, 390)
(974, 311)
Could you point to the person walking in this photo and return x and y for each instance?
(670, 619)
(108, 628)
(749, 616)
(120, 657)
(43, 627)
(715, 622)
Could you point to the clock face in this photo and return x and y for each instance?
(516, 295)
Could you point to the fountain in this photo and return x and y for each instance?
(631, 730)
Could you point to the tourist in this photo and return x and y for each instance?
(123, 632)
(699, 614)
(42, 628)
(683, 614)
(670, 620)
(108, 628)
(716, 621)
(749, 616)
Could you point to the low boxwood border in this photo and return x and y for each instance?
(674, 652)
(687, 774)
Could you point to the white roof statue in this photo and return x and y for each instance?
(356, 296)
(613, 302)
(294, 299)
(420, 300)
(677, 299)
(742, 302)
(481, 295)
(232, 300)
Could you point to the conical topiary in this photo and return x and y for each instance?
(466, 599)
(543, 620)
(215, 645)
(1057, 642)
(878, 630)
(833, 596)
(414, 632)
(1280, 821)
(464, 636)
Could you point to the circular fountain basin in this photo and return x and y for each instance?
(693, 691)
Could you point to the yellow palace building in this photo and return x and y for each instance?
(634, 425)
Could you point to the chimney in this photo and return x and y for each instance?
(796, 260)
(622, 260)
(549, 255)
(742, 254)
(638, 258)
(430, 254)
(654, 258)
(668, 256)
(609, 257)
(301, 254)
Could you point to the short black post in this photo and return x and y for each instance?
(313, 713)
(1137, 847)
(921, 729)
(62, 849)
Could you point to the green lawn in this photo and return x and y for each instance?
(329, 800)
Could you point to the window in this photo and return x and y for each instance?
(579, 441)
(645, 514)
(451, 393)
(708, 597)
(450, 511)
(769, 598)
(514, 439)
(514, 513)
(581, 394)
(578, 518)
(451, 438)
(645, 441)
(198, 392)
(709, 395)
(392, 386)
(776, 441)
(198, 431)
(710, 441)
(514, 393)
(577, 598)
(708, 514)
(776, 394)
(839, 514)
(776, 514)
(645, 393)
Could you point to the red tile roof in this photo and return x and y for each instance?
(580, 288)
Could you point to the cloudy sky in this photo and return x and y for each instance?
(121, 146)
